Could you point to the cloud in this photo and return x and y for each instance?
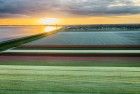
(23, 8)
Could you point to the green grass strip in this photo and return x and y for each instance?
(105, 63)
(69, 80)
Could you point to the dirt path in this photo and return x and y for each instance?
(65, 58)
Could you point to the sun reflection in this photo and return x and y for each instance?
(52, 28)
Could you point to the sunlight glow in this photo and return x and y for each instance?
(49, 29)
(49, 21)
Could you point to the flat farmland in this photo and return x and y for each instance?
(86, 38)
(75, 61)
(70, 60)
(69, 80)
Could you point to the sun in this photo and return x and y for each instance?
(49, 21)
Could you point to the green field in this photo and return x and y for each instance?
(69, 80)
(95, 63)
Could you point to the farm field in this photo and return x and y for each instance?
(69, 75)
(51, 60)
(76, 61)
(89, 39)
(69, 80)
(69, 46)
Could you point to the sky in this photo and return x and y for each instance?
(22, 12)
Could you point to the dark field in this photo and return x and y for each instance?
(70, 60)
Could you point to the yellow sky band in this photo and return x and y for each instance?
(73, 20)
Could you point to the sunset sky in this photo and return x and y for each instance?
(64, 12)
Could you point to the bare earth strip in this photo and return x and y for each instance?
(56, 60)
(64, 58)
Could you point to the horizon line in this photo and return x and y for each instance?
(72, 24)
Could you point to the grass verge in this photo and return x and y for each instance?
(69, 80)
(99, 63)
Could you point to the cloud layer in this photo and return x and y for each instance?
(25, 8)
